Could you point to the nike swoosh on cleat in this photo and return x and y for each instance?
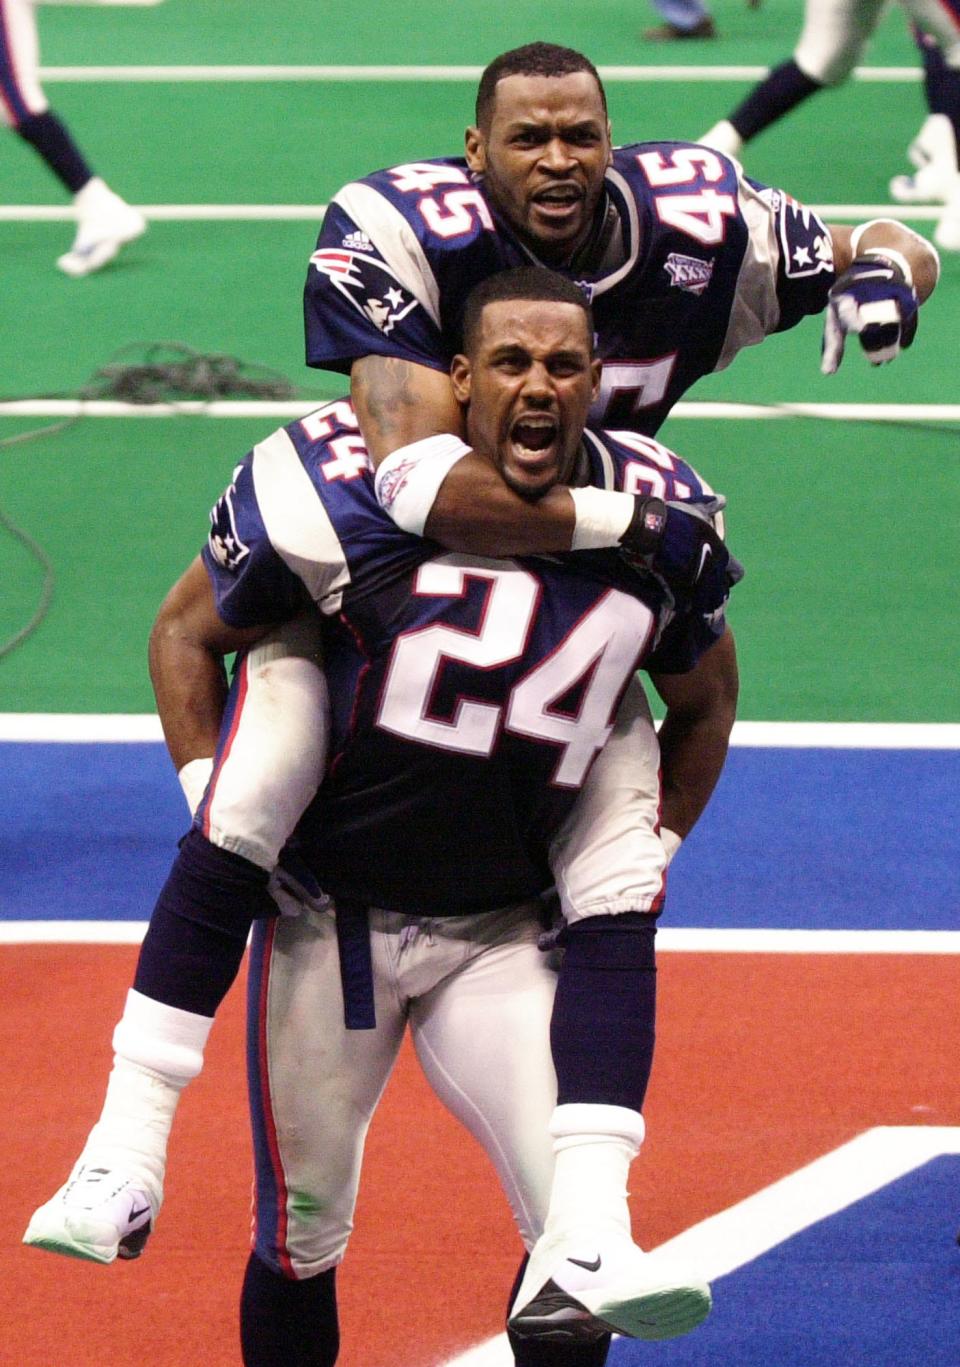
(134, 1213)
(589, 1267)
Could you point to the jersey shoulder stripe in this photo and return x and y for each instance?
(296, 521)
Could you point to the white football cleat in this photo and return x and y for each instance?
(723, 137)
(100, 1214)
(105, 224)
(580, 1285)
(947, 232)
(932, 184)
(934, 153)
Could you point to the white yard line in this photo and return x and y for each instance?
(669, 940)
(313, 213)
(129, 727)
(295, 408)
(629, 74)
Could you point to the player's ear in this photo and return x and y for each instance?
(476, 150)
(609, 144)
(460, 378)
(596, 369)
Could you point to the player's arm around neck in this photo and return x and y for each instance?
(474, 511)
(695, 734)
(188, 643)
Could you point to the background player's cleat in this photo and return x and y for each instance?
(105, 224)
(934, 153)
(932, 184)
(723, 137)
(100, 1214)
(947, 232)
(579, 1285)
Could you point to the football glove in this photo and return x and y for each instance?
(871, 298)
(679, 542)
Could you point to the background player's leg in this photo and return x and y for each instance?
(105, 221)
(833, 37)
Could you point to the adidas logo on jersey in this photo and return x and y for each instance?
(358, 242)
(688, 272)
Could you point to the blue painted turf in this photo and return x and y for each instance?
(794, 839)
(877, 1284)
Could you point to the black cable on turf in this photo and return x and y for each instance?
(170, 372)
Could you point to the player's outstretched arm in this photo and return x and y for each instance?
(695, 734)
(884, 272)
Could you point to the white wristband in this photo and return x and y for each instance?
(670, 841)
(602, 518)
(408, 480)
(194, 777)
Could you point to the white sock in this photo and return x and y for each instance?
(723, 137)
(594, 1147)
(159, 1049)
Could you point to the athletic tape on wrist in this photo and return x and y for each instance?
(408, 480)
(892, 258)
(896, 257)
(602, 517)
(194, 777)
(670, 841)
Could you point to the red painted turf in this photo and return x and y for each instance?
(763, 1063)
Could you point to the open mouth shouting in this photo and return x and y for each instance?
(534, 447)
(559, 203)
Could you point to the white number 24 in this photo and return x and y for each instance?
(601, 651)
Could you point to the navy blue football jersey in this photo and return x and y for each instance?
(703, 262)
(469, 696)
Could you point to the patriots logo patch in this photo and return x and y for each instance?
(225, 543)
(804, 241)
(688, 272)
(368, 283)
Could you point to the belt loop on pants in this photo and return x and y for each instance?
(356, 966)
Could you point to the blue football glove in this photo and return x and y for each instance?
(872, 299)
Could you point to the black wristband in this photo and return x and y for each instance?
(646, 527)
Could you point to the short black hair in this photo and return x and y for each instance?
(523, 282)
(533, 59)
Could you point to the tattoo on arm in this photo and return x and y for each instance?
(384, 391)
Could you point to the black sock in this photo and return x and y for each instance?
(287, 1323)
(51, 139)
(785, 88)
(941, 83)
(537, 1353)
(604, 1014)
(198, 931)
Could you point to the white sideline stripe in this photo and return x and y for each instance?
(669, 941)
(683, 940)
(118, 727)
(735, 1237)
(427, 73)
(295, 408)
(857, 1169)
(246, 213)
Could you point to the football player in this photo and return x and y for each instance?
(105, 221)
(471, 702)
(835, 33)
